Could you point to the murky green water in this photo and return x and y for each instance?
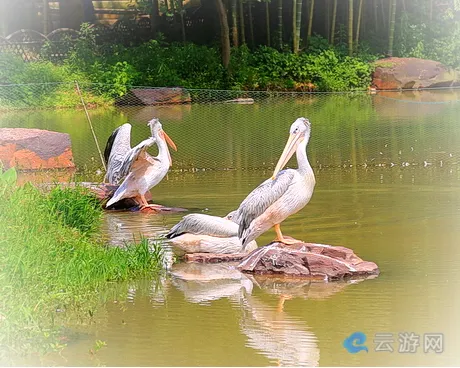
(388, 186)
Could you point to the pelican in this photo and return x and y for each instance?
(284, 194)
(200, 233)
(140, 170)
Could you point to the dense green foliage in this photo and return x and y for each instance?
(107, 72)
(199, 67)
(52, 264)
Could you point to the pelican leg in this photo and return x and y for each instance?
(283, 298)
(145, 204)
(139, 201)
(280, 238)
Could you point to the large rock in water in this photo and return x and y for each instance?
(154, 96)
(34, 149)
(307, 260)
(412, 73)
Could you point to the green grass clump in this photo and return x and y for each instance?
(75, 208)
(52, 264)
(42, 84)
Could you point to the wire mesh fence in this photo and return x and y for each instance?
(224, 130)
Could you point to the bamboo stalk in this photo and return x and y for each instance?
(224, 33)
(298, 23)
(182, 20)
(350, 27)
(251, 23)
(431, 11)
(3, 18)
(267, 20)
(153, 17)
(358, 23)
(392, 27)
(280, 24)
(294, 23)
(310, 20)
(234, 24)
(242, 28)
(334, 16)
(46, 20)
(376, 17)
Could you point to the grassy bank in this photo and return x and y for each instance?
(52, 264)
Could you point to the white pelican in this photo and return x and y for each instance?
(284, 194)
(200, 233)
(140, 170)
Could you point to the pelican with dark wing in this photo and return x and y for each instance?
(116, 149)
(284, 194)
(140, 171)
(200, 233)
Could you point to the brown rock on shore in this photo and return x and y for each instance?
(412, 73)
(35, 149)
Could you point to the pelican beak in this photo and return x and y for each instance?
(289, 149)
(170, 142)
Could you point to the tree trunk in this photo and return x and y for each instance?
(334, 16)
(294, 24)
(280, 24)
(182, 20)
(350, 27)
(251, 23)
(242, 28)
(392, 27)
(224, 33)
(297, 25)
(46, 17)
(376, 17)
(267, 20)
(328, 18)
(431, 11)
(384, 22)
(153, 17)
(166, 5)
(234, 24)
(358, 23)
(70, 14)
(310, 20)
(3, 18)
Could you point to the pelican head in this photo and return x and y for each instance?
(158, 133)
(231, 216)
(298, 133)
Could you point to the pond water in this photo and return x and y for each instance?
(388, 186)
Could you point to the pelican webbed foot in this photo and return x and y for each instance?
(155, 207)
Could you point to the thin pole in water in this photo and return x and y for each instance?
(91, 126)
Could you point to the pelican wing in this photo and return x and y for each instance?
(262, 197)
(201, 224)
(118, 145)
(137, 156)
